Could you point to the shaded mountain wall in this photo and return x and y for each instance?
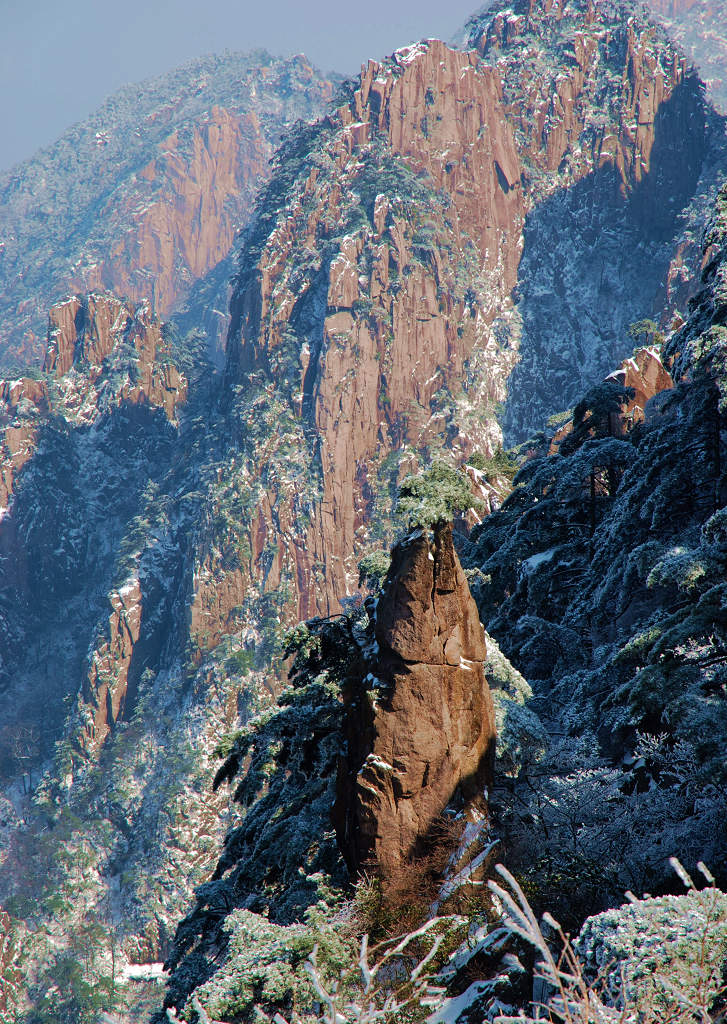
(621, 162)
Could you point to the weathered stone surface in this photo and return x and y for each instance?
(389, 326)
(146, 196)
(605, 180)
(647, 375)
(84, 330)
(424, 733)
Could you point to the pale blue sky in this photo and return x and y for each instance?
(59, 59)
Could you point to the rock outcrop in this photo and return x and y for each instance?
(380, 330)
(407, 250)
(146, 196)
(421, 729)
(84, 331)
(394, 250)
(643, 372)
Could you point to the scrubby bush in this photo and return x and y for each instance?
(653, 961)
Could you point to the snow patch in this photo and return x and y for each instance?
(535, 560)
(143, 972)
(453, 1008)
(406, 54)
(374, 761)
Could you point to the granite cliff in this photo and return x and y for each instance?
(146, 196)
(466, 229)
(420, 734)
(616, 615)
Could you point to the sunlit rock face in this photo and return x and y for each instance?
(146, 196)
(421, 730)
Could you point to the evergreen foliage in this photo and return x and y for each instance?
(434, 497)
(282, 859)
(602, 578)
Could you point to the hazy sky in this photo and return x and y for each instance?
(59, 59)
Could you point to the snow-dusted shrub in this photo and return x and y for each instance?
(714, 532)
(265, 966)
(502, 675)
(653, 961)
(682, 567)
(400, 987)
(580, 830)
(664, 956)
(521, 737)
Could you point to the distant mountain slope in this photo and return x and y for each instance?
(146, 195)
(701, 28)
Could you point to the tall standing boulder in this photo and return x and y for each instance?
(421, 725)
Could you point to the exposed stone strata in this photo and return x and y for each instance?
(593, 158)
(106, 684)
(105, 357)
(84, 331)
(181, 220)
(442, 111)
(558, 115)
(20, 402)
(390, 328)
(421, 730)
(146, 196)
(647, 376)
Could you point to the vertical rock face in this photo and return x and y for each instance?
(366, 292)
(421, 731)
(146, 196)
(621, 160)
(84, 331)
(470, 228)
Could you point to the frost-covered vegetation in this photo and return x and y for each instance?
(602, 578)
